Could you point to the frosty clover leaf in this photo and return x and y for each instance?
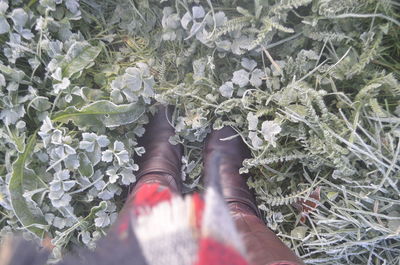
(50, 5)
(256, 77)
(248, 64)
(252, 120)
(91, 140)
(202, 24)
(56, 221)
(63, 82)
(106, 216)
(60, 199)
(255, 140)
(269, 130)
(223, 45)
(112, 173)
(58, 188)
(59, 222)
(19, 17)
(102, 219)
(4, 26)
(241, 44)
(118, 151)
(92, 144)
(170, 23)
(58, 146)
(135, 82)
(72, 5)
(226, 89)
(109, 191)
(220, 18)
(11, 112)
(125, 174)
(196, 18)
(45, 131)
(73, 91)
(197, 13)
(242, 77)
(139, 150)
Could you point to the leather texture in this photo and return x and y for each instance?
(162, 161)
(225, 158)
(263, 246)
(222, 160)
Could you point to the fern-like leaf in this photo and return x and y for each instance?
(288, 5)
(285, 200)
(232, 25)
(268, 25)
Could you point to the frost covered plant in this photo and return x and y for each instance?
(59, 187)
(118, 152)
(51, 173)
(4, 25)
(226, 89)
(310, 86)
(107, 216)
(63, 82)
(134, 83)
(269, 131)
(171, 24)
(250, 74)
(125, 174)
(4, 201)
(92, 144)
(290, 94)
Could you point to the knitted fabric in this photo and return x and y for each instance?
(183, 230)
(155, 227)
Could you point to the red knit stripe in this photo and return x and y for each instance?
(149, 195)
(198, 204)
(212, 252)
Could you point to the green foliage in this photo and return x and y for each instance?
(100, 114)
(310, 86)
(28, 214)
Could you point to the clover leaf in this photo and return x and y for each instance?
(135, 82)
(226, 89)
(251, 75)
(269, 130)
(118, 151)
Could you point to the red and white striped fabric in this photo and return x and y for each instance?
(177, 230)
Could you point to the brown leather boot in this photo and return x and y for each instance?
(230, 155)
(161, 164)
(162, 161)
(225, 158)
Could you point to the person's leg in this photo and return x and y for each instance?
(161, 162)
(159, 168)
(263, 246)
(225, 158)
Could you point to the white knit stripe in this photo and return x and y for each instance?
(217, 222)
(165, 233)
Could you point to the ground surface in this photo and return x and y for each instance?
(311, 86)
